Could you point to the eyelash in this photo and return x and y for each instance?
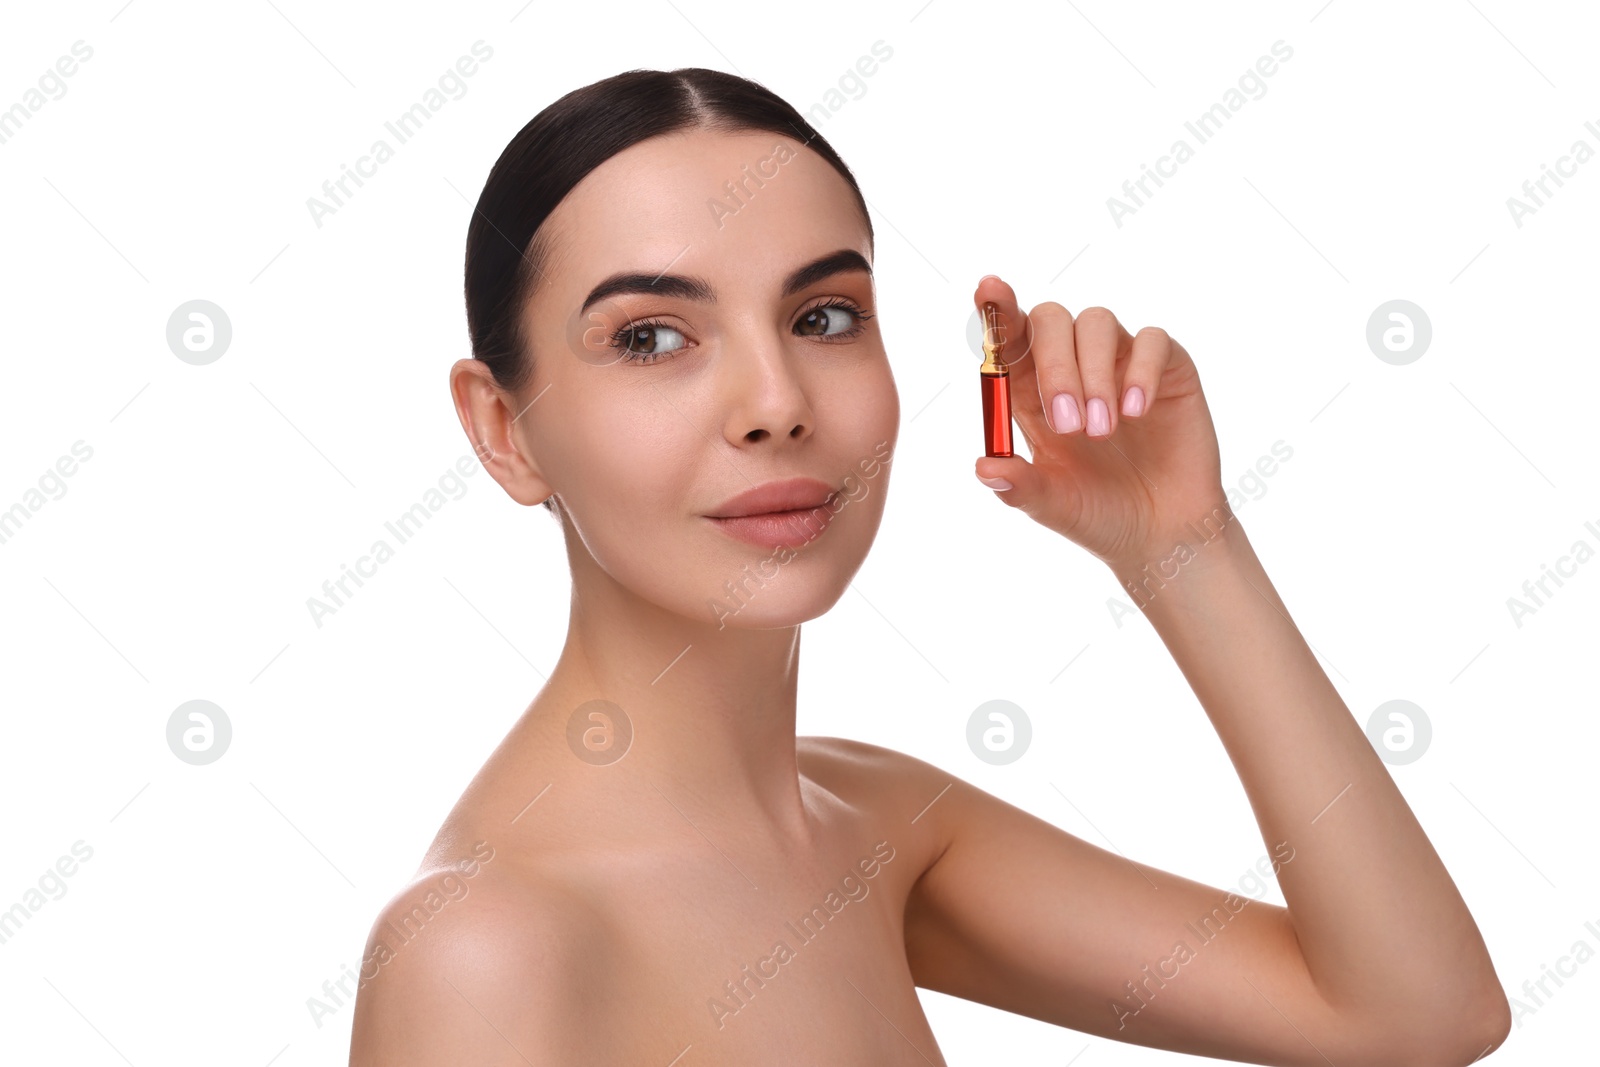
(619, 339)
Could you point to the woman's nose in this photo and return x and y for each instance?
(762, 389)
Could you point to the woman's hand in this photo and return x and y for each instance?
(1136, 470)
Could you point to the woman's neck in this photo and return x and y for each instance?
(699, 717)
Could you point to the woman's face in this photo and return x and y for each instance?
(751, 370)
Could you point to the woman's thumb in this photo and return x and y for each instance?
(1014, 480)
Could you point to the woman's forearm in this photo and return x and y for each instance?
(1385, 934)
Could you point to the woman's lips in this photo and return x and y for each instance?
(774, 528)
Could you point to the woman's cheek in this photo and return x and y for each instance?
(884, 414)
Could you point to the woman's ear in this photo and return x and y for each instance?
(484, 410)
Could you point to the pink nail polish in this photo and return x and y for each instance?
(1099, 418)
(1064, 413)
(1133, 401)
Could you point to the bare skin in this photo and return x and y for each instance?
(579, 906)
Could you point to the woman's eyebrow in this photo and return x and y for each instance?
(692, 288)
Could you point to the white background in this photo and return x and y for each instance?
(177, 564)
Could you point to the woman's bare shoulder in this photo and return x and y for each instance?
(847, 755)
(478, 961)
(869, 775)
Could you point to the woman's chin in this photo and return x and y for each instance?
(778, 595)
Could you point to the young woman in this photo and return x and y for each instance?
(670, 300)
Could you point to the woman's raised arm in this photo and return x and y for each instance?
(1376, 941)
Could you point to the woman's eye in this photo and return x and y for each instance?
(828, 320)
(646, 339)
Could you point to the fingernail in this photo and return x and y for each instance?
(1064, 413)
(986, 277)
(1133, 401)
(1099, 418)
(995, 483)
